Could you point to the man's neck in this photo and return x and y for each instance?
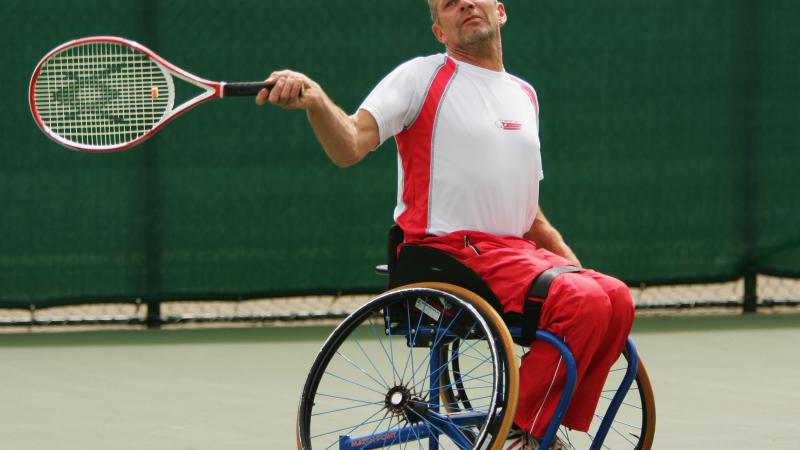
(489, 56)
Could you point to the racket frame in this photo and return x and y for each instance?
(212, 90)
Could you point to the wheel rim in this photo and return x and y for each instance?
(371, 381)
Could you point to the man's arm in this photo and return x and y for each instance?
(545, 236)
(345, 139)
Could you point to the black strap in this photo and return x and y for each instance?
(532, 309)
(541, 285)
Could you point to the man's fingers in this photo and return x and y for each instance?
(284, 89)
(290, 89)
(262, 96)
(297, 88)
(275, 92)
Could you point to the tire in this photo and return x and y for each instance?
(648, 401)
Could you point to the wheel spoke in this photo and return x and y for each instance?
(366, 421)
(354, 383)
(385, 352)
(369, 360)
(352, 363)
(346, 409)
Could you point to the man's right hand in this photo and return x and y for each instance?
(289, 90)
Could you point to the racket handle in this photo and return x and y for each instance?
(243, 89)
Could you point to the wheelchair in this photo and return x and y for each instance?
(432, 363)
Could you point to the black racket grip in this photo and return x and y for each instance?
(243, 89)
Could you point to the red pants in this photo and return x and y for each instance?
(592, 312)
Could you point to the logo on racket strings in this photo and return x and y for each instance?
(89, 95)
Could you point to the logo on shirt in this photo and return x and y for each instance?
(508, 125)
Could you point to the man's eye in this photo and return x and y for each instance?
(450, 3)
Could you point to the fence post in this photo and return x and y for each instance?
(747, 83)
(750, 300)
(153, 319)
(152, 209)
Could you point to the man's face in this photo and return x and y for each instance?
(464, 23)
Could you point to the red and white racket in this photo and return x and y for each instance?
(105, 93)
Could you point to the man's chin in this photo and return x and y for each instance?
(478, 36)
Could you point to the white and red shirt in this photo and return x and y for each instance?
(468, 147)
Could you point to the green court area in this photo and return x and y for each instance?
(721, 382)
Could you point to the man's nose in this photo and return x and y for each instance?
(467, 4)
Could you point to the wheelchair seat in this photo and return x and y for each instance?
(417, 263)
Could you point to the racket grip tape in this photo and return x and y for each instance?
(243, 89)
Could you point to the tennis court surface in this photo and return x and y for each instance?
(721, 382)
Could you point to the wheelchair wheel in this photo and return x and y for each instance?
(377, 381)
(634, 425)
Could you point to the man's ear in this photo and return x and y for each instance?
(501, 13)
(437, 31)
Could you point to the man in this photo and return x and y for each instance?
(470, 167)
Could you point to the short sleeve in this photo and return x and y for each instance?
(395, 102)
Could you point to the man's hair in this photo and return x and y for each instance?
(432, 6)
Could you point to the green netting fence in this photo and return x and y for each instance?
(670, 130)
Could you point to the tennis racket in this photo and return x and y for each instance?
(105, 93)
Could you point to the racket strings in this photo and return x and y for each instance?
(101, 94)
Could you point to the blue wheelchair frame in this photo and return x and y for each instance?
(449, 424)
